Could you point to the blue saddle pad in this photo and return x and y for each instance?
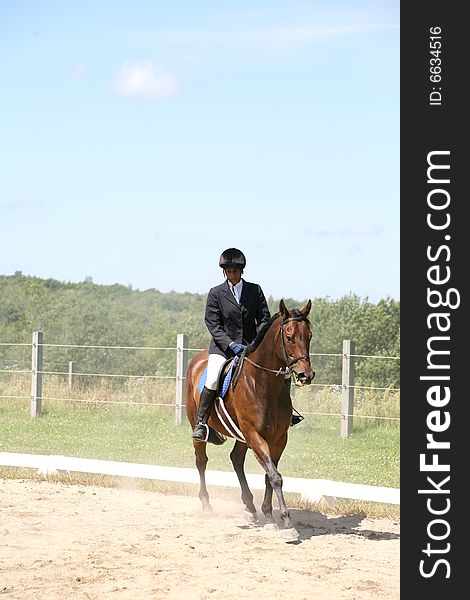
(225, 384)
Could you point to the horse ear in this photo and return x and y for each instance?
(306, 308)
(282, 309)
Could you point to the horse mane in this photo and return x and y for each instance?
(265, 327)
(261, 333)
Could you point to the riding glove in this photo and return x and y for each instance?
(237, 348)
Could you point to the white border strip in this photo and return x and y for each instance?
(314, 490)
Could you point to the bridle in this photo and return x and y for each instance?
(289, 363)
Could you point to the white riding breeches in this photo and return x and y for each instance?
(214, 365)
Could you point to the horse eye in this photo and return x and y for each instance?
(289, 338)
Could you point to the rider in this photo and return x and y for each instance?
(235, 311)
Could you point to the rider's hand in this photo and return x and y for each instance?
(237, 348)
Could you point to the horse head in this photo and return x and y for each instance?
(295, 335)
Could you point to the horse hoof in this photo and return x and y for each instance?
(271, 527)
(290, 535)
(250, 517)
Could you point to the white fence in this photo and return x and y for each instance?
(313, 490)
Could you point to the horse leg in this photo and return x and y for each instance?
(263, 455)
(201, 463)
(267, 506)
(237, 456)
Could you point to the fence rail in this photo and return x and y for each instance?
(182, 350)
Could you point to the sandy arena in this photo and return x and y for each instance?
(67, 542)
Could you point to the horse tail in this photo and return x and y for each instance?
(215, 437)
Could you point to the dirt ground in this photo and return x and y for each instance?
(62, 541)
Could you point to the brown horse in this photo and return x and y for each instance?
(260, 407)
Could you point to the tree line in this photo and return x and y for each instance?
(87, 314)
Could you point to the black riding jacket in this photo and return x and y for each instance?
(228, 321)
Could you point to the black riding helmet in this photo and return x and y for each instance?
(232, 258)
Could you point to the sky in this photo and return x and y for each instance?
(141, 138)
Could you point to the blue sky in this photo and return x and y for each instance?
(141, 138)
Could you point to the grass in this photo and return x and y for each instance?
(144, 434)
(147, 434)
(138, 434)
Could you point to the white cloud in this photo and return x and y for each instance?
(22, 205)
(145, 80)
(353, 231)
(79, 69)
(301, 34)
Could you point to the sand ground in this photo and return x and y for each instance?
(63, 541)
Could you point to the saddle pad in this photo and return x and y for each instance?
(226, 383)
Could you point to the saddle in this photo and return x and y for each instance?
(223, 379)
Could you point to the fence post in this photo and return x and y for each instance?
(181, 366)
(347, 397)
(36, 374)
(70, 373)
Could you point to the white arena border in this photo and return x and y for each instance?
(313, 490)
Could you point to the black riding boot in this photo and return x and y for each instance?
(201, 429)
(296, 416)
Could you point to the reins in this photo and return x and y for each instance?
(281, 371)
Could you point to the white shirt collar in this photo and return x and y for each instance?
(237, 289)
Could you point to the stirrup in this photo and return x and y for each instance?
(296, 418)
(201, 432)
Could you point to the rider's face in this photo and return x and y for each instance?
(233, 275)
